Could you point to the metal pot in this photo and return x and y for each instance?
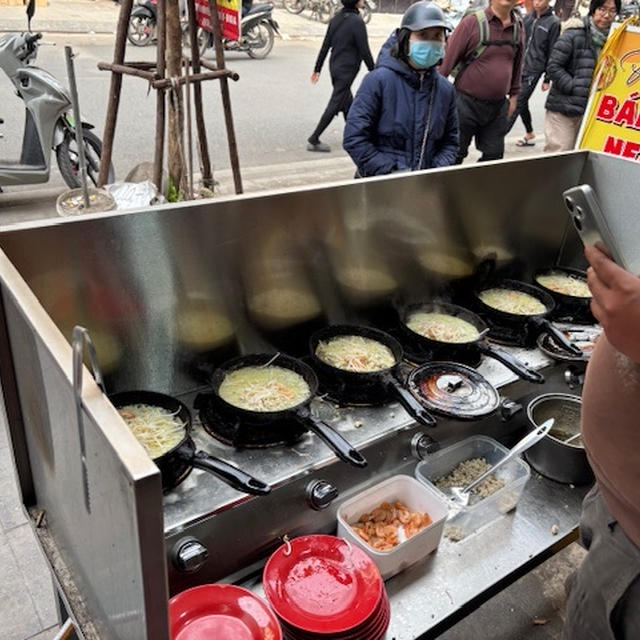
(551, 457)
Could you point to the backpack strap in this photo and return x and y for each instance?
(484, 41)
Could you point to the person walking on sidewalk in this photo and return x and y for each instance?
(404, 116)
(604, 593)
(485, 53)
(542, 29)
(347, 38)
(570, 68)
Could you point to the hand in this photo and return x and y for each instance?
(315, 77)
(616, 302)
(545, 86)
(513, 103)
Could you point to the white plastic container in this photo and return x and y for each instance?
(418, 498)
(464, 521)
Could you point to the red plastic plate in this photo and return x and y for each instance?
(221, 611)
(322, 584)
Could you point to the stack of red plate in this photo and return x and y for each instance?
(322, 588)
(223, 612)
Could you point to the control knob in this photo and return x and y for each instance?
(189, 554)
(320, 494)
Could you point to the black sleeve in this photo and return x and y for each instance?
(552, 37)
(324, 49)
(362, 42)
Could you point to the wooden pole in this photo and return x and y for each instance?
(160, 112)
(207, 175)
(113, 102)
(226, 98)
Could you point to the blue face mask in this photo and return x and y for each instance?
(426, 53)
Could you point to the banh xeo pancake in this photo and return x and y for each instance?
(512, 301)
(264, 388)
(156, 429)
(565, 284)
(442, 327)
(355, 353)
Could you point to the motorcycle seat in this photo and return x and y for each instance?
(260, 8)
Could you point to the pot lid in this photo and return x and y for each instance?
(454, 389)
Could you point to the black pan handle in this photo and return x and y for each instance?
(559, 337)
(413, 406)
(339, 445)
(233, 476)
(511, 362)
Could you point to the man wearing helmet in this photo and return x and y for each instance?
(485, 52)
(403, 117)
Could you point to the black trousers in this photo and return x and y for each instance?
(486, 120)
(340, 100)
(527, 87)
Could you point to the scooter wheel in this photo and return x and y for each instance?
(140, 31)
(68, 162)
(260, 39)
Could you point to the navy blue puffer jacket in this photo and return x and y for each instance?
(386, 122)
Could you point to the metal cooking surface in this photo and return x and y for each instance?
(202, 494)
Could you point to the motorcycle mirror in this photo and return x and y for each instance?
(31, 10)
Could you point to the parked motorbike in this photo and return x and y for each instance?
(258, 33)
(49, 122)
(142, 23)
(322, 10)
(368, 8)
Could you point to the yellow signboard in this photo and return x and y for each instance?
(612, 119)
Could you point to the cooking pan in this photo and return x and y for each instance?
(567, 305)
(178, 462)
(537, 322)
(458, 350)
(369, 385)
(299, 413)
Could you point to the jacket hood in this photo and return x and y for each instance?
(573, 23)
(385, 59)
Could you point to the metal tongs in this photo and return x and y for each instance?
(460, 495)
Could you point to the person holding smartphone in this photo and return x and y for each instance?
(604, 593)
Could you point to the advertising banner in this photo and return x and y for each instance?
(612, 119)
(228, 15)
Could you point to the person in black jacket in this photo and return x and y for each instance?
(570, 68)
(542, 29)
(347, 38)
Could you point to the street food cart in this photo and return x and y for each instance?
(169, 293)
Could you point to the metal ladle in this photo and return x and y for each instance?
(460, 495)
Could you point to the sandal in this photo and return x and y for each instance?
(525, 142)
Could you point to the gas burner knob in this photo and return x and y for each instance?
(320, 494)
(422, 445)
(508, 409)
(574, 377)
(189, 554)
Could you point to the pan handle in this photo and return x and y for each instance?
(511, 362)
(233, 476)
(411, 404)
(558, 336)
(339, 445)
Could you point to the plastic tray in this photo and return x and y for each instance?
(418, 498)
(464, 521)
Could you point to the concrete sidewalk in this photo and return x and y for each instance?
(101, 16)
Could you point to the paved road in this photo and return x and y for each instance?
(275, 106)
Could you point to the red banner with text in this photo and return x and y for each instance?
(228, 15)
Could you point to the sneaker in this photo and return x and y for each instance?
(318, 146)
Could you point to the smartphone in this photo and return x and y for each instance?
(612, 236)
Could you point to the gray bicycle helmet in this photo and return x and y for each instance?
(423, 15)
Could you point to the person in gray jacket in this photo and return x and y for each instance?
(570, 69)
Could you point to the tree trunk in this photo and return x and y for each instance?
(176, 155)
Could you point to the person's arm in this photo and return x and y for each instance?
(362, 42)
(450, 143)
(558, 63)
(460, 44)
(360, 129)
(516, 72)
(552, 37)
(616, 302)
(324, 50)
